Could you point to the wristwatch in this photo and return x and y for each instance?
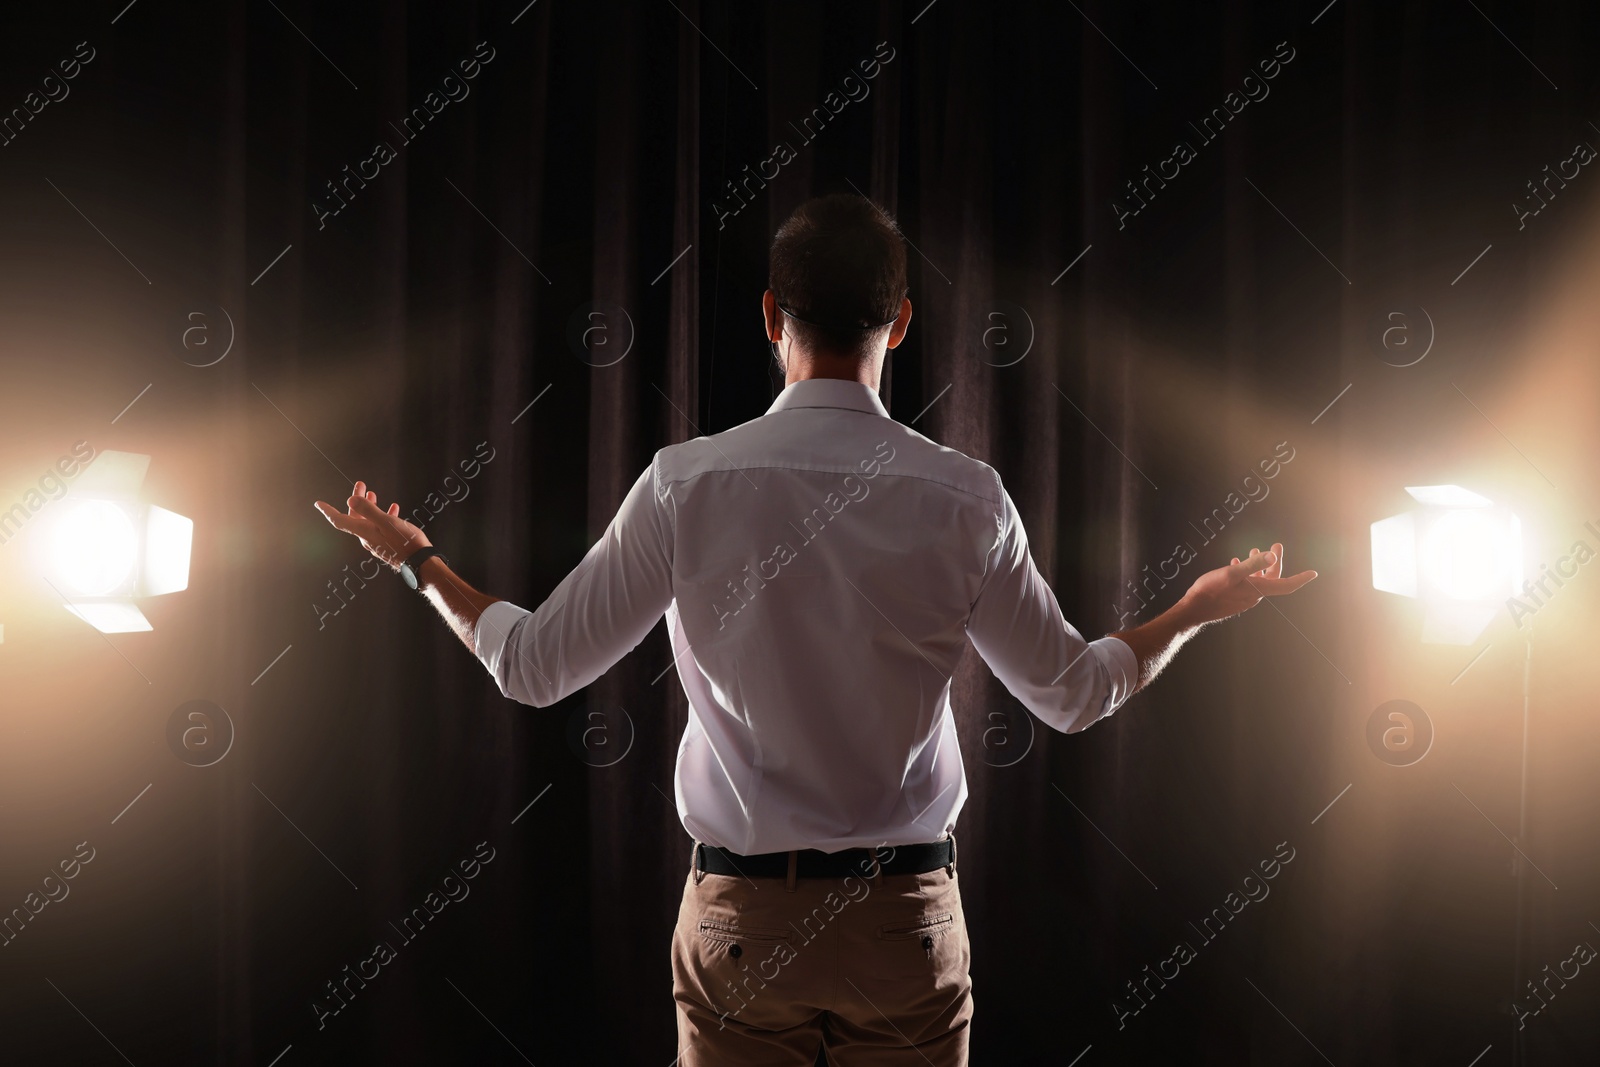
(411, 568)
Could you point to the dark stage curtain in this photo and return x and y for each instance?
(1124, 367)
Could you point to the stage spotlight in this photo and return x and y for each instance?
(94, 548)
(1458, 553)
(104, 547)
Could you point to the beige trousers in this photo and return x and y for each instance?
(767, 970)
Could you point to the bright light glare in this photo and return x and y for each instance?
(1467, 554)
(93, 547)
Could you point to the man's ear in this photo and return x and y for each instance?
(897, 331)
(769, 312)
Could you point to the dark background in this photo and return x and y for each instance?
(1177, 353)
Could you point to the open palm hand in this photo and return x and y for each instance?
(383, 533)
(1227, 591)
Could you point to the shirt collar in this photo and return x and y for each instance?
(829, 393)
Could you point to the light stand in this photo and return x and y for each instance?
(1458, 553)
(1519, 866)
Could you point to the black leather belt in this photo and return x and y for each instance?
(811, 863)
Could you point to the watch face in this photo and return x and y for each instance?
(408, 575)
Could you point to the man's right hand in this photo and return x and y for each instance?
(383, 533)
(392, 539)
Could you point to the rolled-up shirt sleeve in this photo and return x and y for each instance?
(598, 614)
(1017, 627)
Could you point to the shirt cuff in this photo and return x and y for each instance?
(1121, 665)
(493, 633)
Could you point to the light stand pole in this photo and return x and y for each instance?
(1519, 865)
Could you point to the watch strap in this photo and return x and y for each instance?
(410, 570)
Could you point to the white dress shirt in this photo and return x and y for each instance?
(820, 569)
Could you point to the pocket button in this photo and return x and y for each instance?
(735, 951)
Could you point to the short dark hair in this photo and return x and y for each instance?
(838, 271)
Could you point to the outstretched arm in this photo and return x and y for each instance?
(391, 540)
(603, 608)
(1069, 683)
(1214, 596)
